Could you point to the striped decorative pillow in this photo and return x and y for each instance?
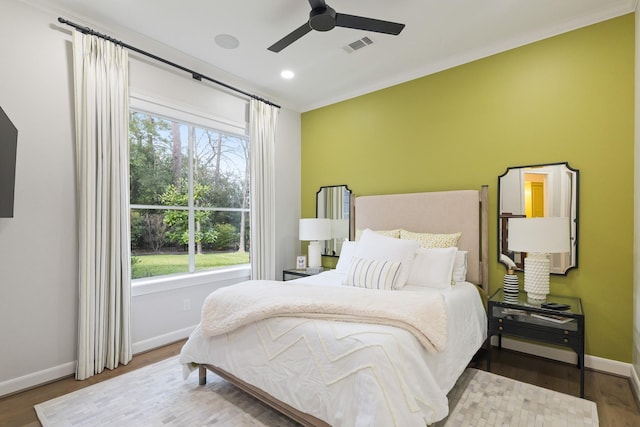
(373, 273)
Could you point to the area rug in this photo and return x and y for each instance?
(481, 398)
(157, 395)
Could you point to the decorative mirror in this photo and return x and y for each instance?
(549, 190)
(334, 202)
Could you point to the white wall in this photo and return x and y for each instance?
(38, 250)
(38, 266)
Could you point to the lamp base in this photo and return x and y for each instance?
(536, 276)
(315, 258)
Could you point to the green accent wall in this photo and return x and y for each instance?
(566, 98)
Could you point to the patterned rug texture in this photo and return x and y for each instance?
(481, 398)
(157, 395)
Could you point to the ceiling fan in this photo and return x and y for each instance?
(324, 18)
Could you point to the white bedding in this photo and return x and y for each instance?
(348, 373)
(421, 313)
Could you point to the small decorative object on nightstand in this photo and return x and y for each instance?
(510, 284)
(511, 287)
(301, 262)
(538, 237)
(559, 321)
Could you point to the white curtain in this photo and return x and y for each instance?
(102, 163)
(263, 129)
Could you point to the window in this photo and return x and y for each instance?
(189, 187)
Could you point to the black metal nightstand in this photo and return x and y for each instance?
(516, 316)
(301, 272)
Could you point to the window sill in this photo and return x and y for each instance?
(168, 283)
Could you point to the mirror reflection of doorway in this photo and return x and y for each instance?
(534, 195)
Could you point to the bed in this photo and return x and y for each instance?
(384, 357)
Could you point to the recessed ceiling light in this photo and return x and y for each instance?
(227, 41)
(287, 74)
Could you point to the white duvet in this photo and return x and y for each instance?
(346, 373)
(421, 313)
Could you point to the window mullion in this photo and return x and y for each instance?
(192, 240)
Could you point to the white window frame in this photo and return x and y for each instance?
(171, 110)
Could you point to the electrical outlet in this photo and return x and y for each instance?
(186, 304)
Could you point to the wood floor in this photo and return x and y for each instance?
(617, 406)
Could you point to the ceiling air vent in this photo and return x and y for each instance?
(358, 44)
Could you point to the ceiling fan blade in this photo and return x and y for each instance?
(368, 24)
(290, 38)
(317, 3)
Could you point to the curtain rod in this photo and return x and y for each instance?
(195, 75)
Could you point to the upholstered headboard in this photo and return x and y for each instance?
(435, 212)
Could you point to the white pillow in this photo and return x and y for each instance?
(432, 267)
(373, 273)
(389, 233)
(346, 255)
(460, 267)
(376, 246)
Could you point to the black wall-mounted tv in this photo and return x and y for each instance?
(8, 149)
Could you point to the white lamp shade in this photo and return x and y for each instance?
(315, 229)
(539, 235)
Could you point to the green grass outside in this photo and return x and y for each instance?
(163, 264)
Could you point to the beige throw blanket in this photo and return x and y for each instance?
(421, 313)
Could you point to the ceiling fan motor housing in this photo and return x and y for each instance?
(322, 18)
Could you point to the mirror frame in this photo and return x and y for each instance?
(574, 219)
(323, 244)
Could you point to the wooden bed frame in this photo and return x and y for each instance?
(435, 212)
(285, 409)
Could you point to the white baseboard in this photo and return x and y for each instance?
(51, 374)
(567, 356)
(635, 383)
(37, 378)
(159, 341)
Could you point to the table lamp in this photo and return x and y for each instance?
(538, 237)
(313, 230)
